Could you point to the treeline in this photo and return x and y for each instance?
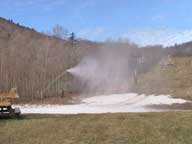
(181, 50)
(31, 61)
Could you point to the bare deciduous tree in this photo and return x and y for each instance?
(60, 32)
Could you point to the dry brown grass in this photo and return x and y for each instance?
(175, 80)
(129, 128)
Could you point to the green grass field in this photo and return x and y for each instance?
(125, 128)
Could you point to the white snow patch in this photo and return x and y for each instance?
(130, 102)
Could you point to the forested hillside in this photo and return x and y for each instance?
(30, 60)
(35, 63)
